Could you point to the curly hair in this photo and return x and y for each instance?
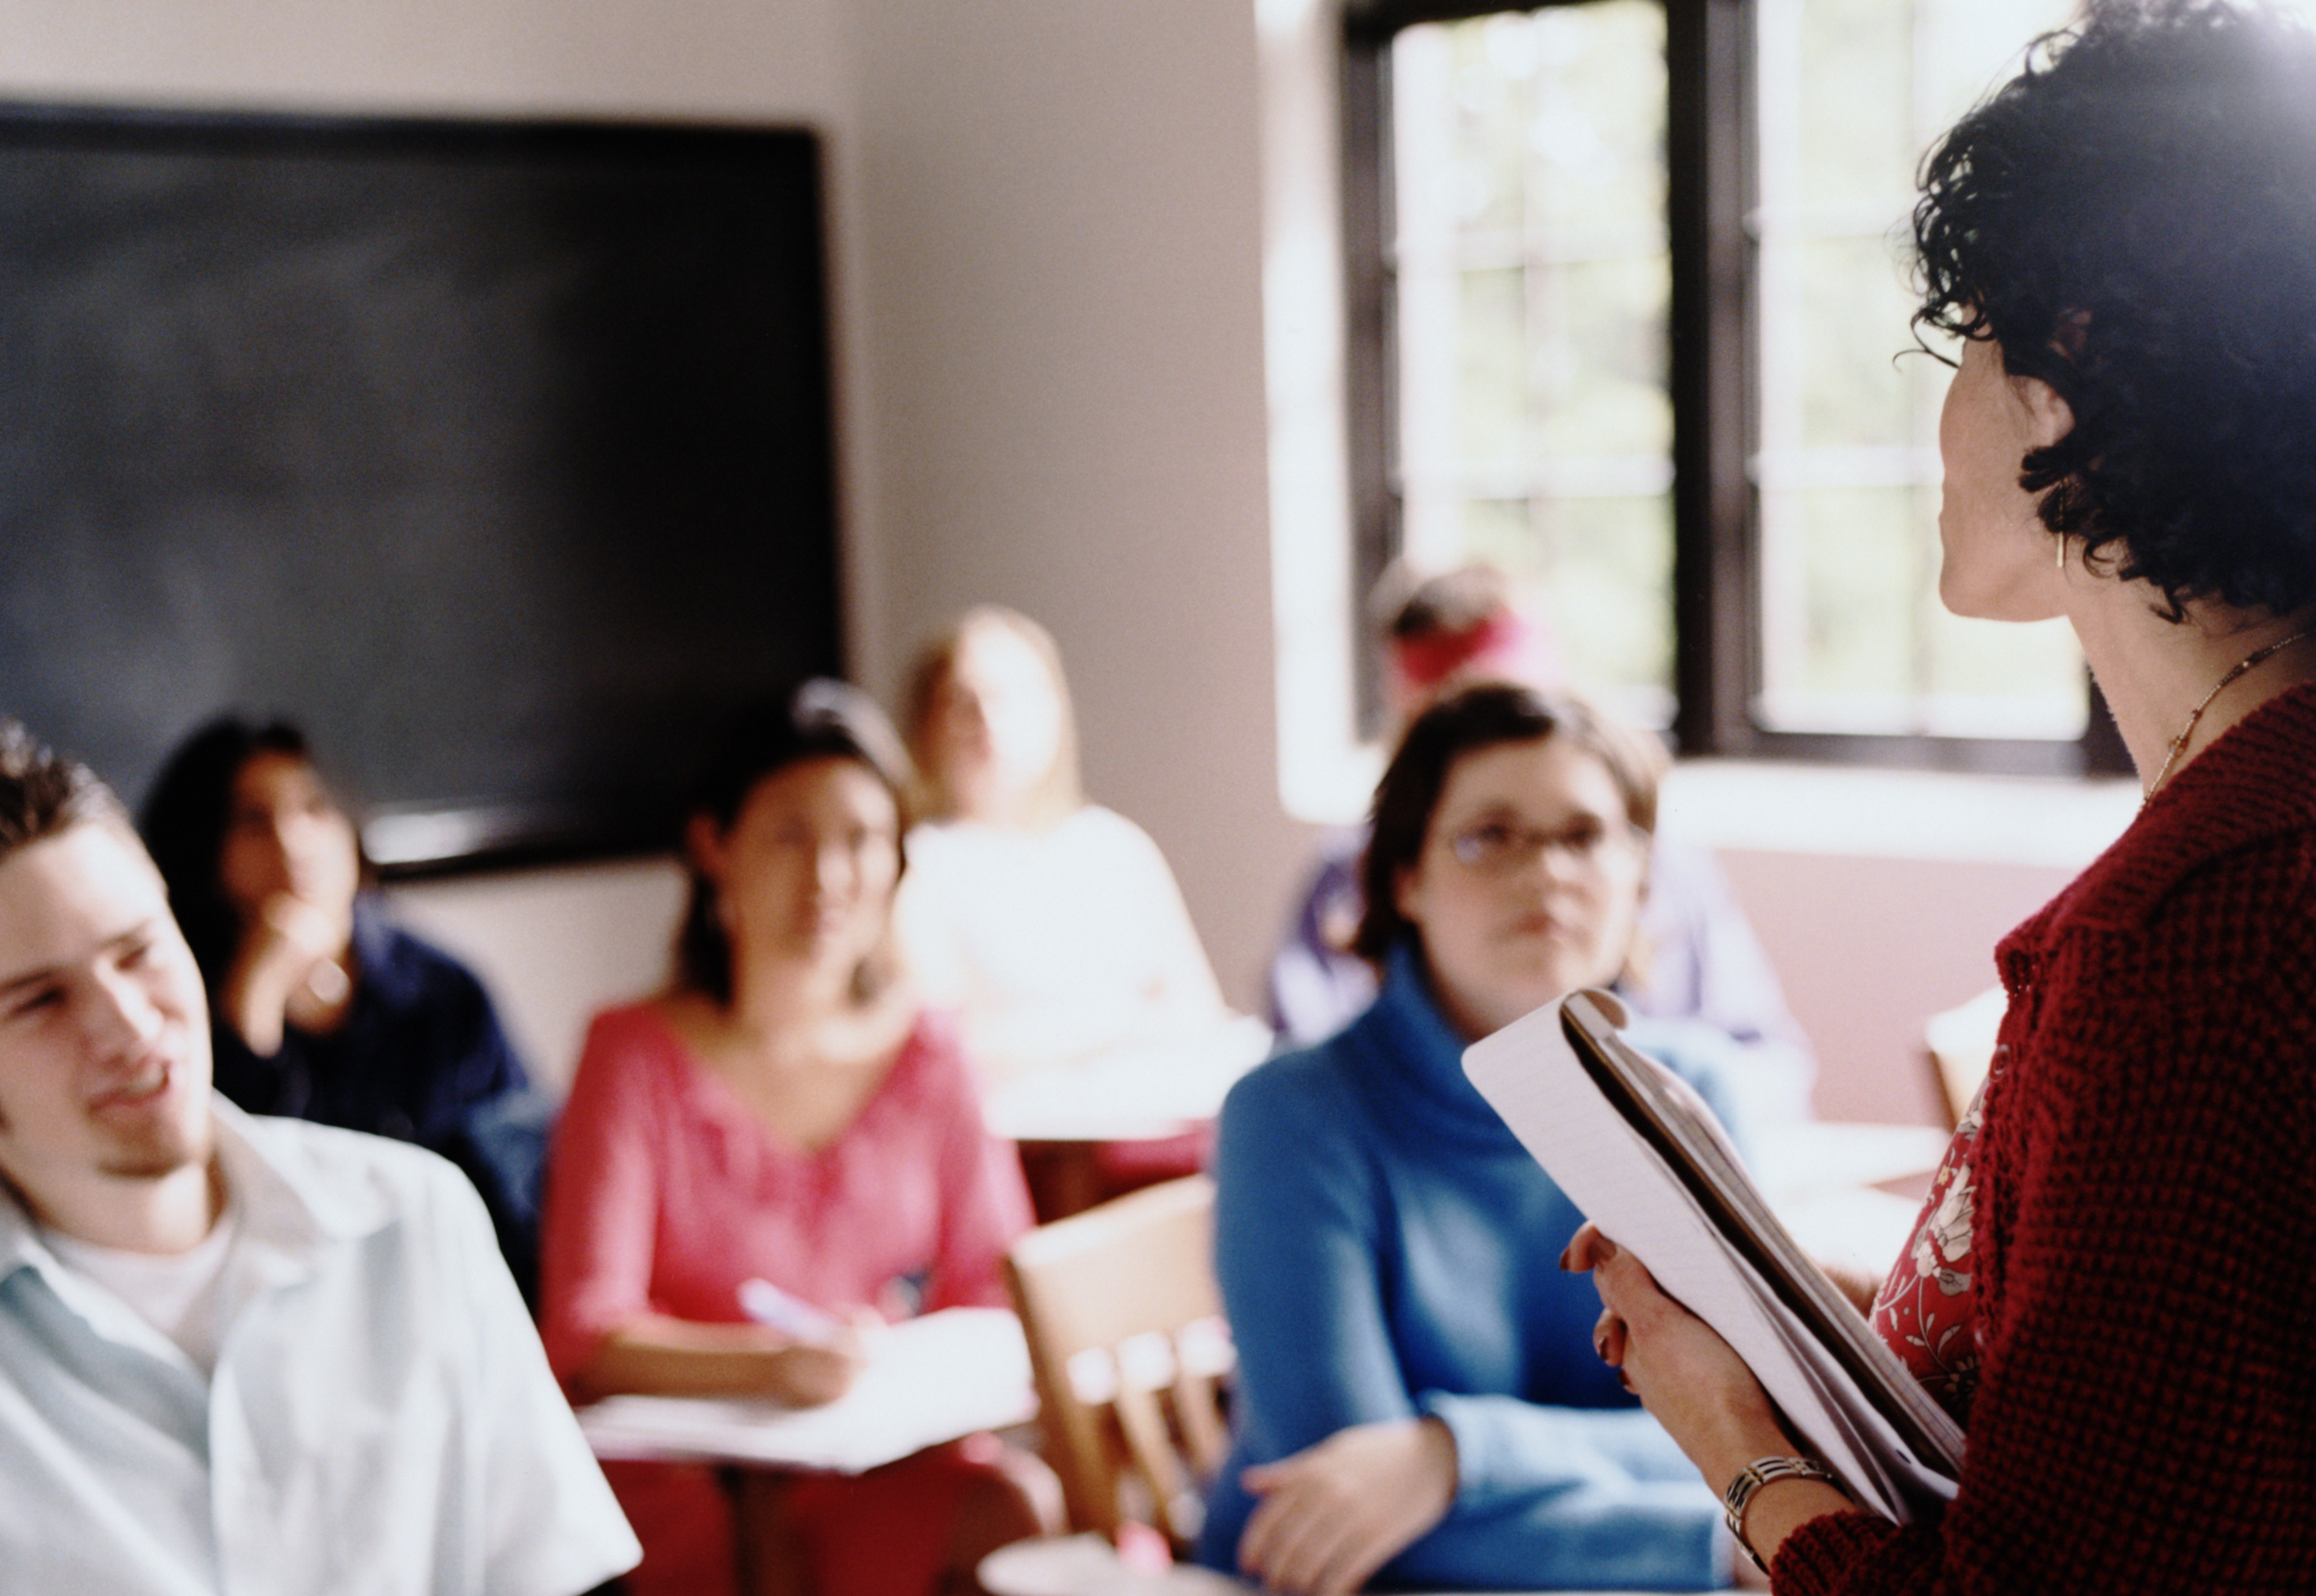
(2132, 220)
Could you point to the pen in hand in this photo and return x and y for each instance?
(792, 1315)
(825, 1353)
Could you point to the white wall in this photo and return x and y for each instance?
(1063, 248)
(1047, 252)
(701, 58)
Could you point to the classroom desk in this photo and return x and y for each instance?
(1061, 1118)
(1824, 1179)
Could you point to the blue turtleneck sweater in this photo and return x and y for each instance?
(1386, 1248)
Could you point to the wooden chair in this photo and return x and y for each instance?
(1961, 1045)
(1130, 1353)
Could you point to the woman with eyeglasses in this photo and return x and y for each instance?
(1419, 1396)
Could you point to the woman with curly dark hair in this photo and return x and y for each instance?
(2114, 1282)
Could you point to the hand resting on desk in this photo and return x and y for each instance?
(1333, 1513)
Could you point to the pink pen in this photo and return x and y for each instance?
(767, 1304)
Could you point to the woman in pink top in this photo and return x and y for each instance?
(783, 1113)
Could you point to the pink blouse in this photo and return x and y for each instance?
(665, 1192)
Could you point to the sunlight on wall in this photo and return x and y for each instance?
(1324, 773)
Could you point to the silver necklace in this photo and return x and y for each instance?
(2196, 716)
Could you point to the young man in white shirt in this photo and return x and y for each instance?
(237, 1355)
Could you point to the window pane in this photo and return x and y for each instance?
(1850, 93)
(1533, 277)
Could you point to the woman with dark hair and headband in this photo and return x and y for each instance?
(783, 1123)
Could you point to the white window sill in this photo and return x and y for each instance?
(1898, 814)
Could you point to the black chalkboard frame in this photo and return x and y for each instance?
(594, 503)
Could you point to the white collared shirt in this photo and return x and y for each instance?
(189, 1297)
(381, 1420)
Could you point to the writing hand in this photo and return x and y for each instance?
(812, 1374)
(1333, 1513)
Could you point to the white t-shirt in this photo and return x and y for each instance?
(188, 1296)
(1054, 945)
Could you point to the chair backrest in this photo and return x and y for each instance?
(1961, 1044)
(1131, 1355)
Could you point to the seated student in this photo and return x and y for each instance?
(320, 1008)
(236, 1354)
(1051, 926)
(1701, 959)
(1418, 1394)
(784, 1112)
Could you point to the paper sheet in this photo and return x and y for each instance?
(1533, 1076)
(927, 1380)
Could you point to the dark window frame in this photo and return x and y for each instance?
(1716, 525)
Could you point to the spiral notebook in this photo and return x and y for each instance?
(1638, 1150)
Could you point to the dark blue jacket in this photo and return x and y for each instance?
(419, 1058)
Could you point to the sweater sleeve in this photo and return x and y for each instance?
(1547, 1496)
(603, 1184)
(2144, 1416)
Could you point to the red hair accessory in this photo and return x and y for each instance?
(1428, 660)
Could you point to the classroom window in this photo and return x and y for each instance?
(1636, 269)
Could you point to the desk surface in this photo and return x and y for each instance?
(1827, 1155)
(1144, 1093)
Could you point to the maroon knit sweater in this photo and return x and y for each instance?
(2146, 1414)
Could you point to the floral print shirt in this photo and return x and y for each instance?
(1927, 1309)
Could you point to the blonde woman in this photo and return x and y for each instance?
(1052, 927)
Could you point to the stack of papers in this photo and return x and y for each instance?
(927, 1380)
(1641, 1154)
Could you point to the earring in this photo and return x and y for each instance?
(2062, 552)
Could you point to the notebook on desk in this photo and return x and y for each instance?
(926, 1380)
(1636, 1148)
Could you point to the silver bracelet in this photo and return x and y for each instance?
(1751, 1478)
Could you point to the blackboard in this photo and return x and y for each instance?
(497, 454)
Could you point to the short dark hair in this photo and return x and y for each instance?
(42, 793)
(1481, 717)
(184, 819)
(821, 720)
(1405, 606)
(2132, 220)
